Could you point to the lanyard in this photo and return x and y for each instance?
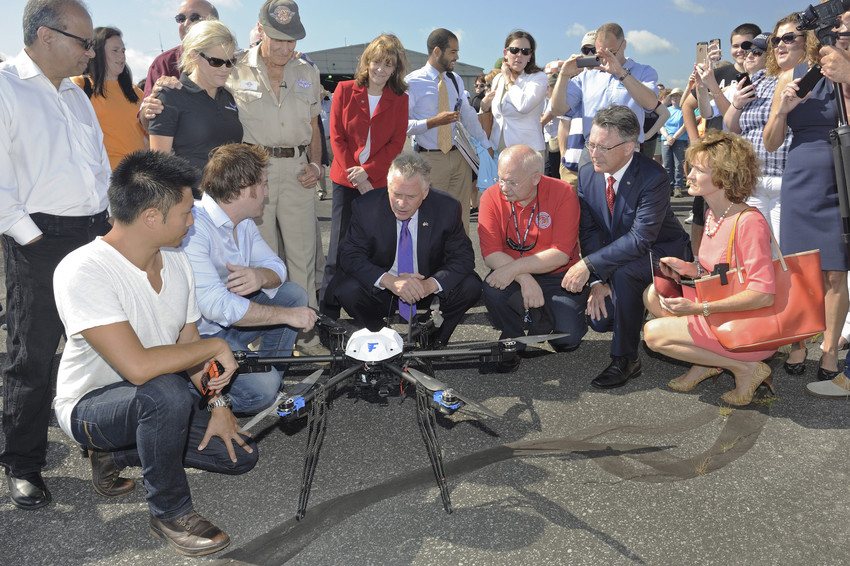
(527, 226)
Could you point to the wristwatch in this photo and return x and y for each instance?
(223, 401)
(705, 308)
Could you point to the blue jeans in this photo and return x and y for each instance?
(567, 307)
(157, 426)
(674, 160)
(253, 392)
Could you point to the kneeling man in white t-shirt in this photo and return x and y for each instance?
(127, 301)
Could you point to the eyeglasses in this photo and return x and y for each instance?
(216, 62)
(180, 18)
(513, 184)
(524, 50)
(588, 50)
(788, 39)
(88, 44)
(601, 148)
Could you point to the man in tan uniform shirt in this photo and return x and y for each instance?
(279, 101)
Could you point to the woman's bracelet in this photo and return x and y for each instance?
(735, 107)
(318, 167)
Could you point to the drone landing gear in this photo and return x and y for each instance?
(316, 422)
(427, 426)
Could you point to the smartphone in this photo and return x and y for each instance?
(589, 61)
(702, 53)
(809, 80)
(741, 79)
(715, 42)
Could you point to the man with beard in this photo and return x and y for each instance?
(436, 102)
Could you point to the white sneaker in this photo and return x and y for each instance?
(690, 218)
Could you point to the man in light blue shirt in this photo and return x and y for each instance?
(240, 283)
(449, 170)
(616, 80)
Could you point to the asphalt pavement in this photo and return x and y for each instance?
(567, 475)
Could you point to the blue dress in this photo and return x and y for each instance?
(810, 217)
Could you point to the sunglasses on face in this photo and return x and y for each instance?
(755, 53)
(788, 39)
(216, 62)
(524, 50)
(180, 18)
(87, 43)
(480, 85)
(588, 50)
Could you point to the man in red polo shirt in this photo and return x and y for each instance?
(528, 231)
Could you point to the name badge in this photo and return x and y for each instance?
(249, 85)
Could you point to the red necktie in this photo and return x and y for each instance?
(609, 195)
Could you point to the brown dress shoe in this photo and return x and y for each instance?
(104, 476)
(190, 534)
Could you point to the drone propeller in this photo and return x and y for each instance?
(436, 385)
(297, 390)
(532, 339)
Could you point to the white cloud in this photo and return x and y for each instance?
(688, 6)
(139, 61)
(647, 43)
(234, 4)
(576, 30)
(459, 33)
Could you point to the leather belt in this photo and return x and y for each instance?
(283, 151)
(423, 150)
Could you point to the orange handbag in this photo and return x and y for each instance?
(797, 311)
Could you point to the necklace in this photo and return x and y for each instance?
(708, 231)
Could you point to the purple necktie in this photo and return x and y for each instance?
(405, 265)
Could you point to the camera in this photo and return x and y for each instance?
(822, 18)
(589, 61)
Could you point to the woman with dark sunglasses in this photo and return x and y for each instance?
(518, 96)
(809, 216)
(108, 82)
(747, 115)
(201, 115)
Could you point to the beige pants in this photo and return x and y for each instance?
(569, 177)
(451, 173)
(291, 212)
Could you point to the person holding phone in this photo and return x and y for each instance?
(518, 96)
(809, 217)
(748, 114)
(724, 172)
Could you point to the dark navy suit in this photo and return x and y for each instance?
(443, 251)
(618, 244)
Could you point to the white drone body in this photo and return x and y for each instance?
(372, 347)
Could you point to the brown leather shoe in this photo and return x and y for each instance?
(190, 534)
(104, 476)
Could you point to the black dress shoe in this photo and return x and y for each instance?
(827, 374)
(795, 369)
(28, 491)
(617, 373)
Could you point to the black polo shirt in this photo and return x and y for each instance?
(197, 122)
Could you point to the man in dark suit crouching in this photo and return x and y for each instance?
(405, 244)
(625, 214)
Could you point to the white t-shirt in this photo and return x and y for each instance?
(96, 285)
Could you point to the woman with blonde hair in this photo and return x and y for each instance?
(201, 115)
(368, 126)
(724, 171)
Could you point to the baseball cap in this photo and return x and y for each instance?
(281, 20)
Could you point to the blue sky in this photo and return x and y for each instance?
(662, 33)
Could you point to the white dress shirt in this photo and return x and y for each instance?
(423, 102)
(52, 157)
(210, 246)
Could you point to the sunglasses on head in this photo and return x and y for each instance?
(588, 50)
(180, 18)
(216, 62)
(788, 39)
(87, 43)
(524, 50)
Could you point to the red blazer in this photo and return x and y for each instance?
(350, 127)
